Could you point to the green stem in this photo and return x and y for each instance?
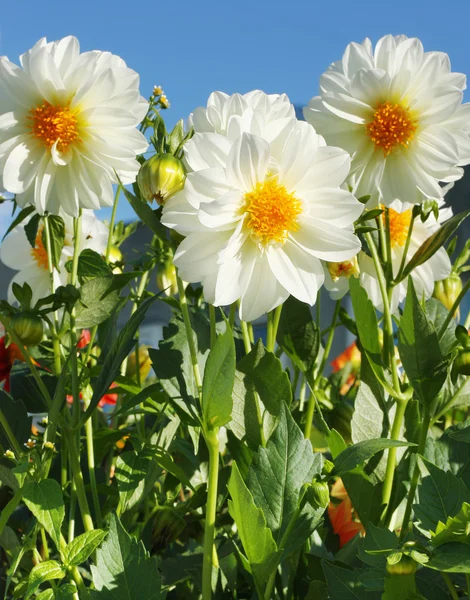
(72, 511)
(309, 417)
(259, 417)
(79, 484)
(112, 221)
(392, 456)
(269, 333)
(415, 476)
(273, 324)
(91, 471)
(10, 435)
(209, 556)
(73, 327)
(451, 313)
(55, 339)
(405, 250)
(467, 579)
(213, 325)
(450, 585)
(246, 336)
(189, 334)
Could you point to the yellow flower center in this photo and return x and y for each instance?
(392, 126)
(399, 226)
(51, 124)
(39, 253)
(272, 211)
(346, 269)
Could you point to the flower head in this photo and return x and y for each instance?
(67, 126)
(32, 263)
(342, 515)
(398, 111)
(7, 358)
(262, 216)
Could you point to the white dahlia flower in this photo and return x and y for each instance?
(262, 216)
(32, 263)
(438, 267)
(398, 111)
(67, 125)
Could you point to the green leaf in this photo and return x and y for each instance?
(217, 384)
(176, 136)
(45, 571)
(419, 349)
(134, 474)
(20, 217)
(429, 247)
(45, 500)
(23, 386)
(298, 335)
(146, 214)
(92, 308)
(377, 539)
(455, 529)
(119, 350)
(82, 547)
(152, 391)
(91, 265)
(343, 584)
(358, 453)
(436, 314)
(257, 539)
(441, 495)
(31, 229)
(367, 325)
(451, 558)
(124, 569)
(276, 476)
(16, 414)
(57, 235)
(462, 434)
(164, 459)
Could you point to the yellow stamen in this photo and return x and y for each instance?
(51, 124)
(399, 226)
(39, 253)
(272, 212)
(347, 268)
(392, 126)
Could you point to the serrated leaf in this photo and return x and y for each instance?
(453, 557)
(429, 247)
(82, 547)
(257, 539)
(358, 453)
(57, 235)
(377, 539)
(146, 214)
(45, 571)
(91, 264)
(276, 476)
(45, 500)
(124, 569)
(441, 495)
(343, 584)
(455, 529)
(31, 229)
(298, 335)
(217, 384)
(436, 314)
(134, 474)
(93, 308)
(419, 349)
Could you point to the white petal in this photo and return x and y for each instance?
(329, 168)
(247, 162)
(326, 241)
(206, 150)
(21, 167)
(333, 206)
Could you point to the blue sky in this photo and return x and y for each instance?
(193, 48)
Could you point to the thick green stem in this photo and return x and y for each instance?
(405, 250)
(79, 484)
(91, 470)
(450, 585)
(55, 339)
(467, 579)
(210, 557)
(73, 327)
(415, 477)
(392, 456)
(112, 221)
(273, 324)
(246, 336)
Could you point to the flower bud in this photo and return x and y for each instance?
(462, 363)
(405, 566)
(166, 279)
(318, 495)
(28, 327)
(160, 177)
(115, 256)
(462, 336)
(144, 364)
(167, 526)
(447, 291)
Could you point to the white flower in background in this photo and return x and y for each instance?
(67, 123)
(260, 222)
(32, 264)
(256, 112)
(436, 268)
(337, 276)
(398, 111)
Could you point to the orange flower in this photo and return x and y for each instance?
(7, 358)
(342, 516)
(350, 356)
(84, 339)
(107, 399)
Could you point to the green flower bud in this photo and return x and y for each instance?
(115, 256)
(144, 364)
(160, 177)
(462, 363)
(462, 336)
(405, 566)
(448, 290)
(318, 495)
(28, 327)
(166, 279)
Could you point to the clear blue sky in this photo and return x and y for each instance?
(193, 48)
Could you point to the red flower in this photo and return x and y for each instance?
(109, 399)
(7, 358)
(350, 356)
(342, 516)
(85, 339)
